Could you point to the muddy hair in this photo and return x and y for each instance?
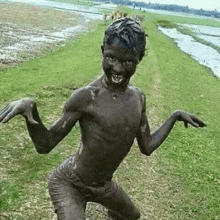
(130, 34)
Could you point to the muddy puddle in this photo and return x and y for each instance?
(19, 44)
(30, 30)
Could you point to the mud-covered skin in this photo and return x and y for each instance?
(107, 132)
(111, 114)
(70, 194)
(119, 64)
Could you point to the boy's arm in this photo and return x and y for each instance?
(148, 141)
(45, 139)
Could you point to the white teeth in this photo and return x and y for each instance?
(117, 78)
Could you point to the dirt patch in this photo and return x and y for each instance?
(30, 31)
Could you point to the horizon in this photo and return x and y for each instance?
(210, 5)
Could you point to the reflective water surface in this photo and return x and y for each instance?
(89, 12)
(210, 34)
(203, 54)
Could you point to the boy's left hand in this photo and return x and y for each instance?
(189, 119)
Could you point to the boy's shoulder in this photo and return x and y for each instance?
(136, 90)
(85, 93)
(80, 98)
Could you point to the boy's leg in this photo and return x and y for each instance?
(118, 202)
(68, 202)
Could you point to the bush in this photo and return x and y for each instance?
(166, 24)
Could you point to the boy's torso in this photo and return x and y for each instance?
(108, 128)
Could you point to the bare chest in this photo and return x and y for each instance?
(116, 112)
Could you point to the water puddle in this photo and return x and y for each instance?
(21, 42)
(90, 12)
(203, 54)
(18, 42)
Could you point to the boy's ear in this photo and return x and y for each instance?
(141, 56)
(102, 48)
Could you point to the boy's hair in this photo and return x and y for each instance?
(129, 32)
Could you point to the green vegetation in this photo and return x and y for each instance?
(49, 80)
(179, 181)
(166, 24)
(193, 155)
(187, 20)
(9, 192)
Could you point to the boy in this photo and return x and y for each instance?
(111, 114)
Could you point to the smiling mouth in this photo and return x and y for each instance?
(117, 78)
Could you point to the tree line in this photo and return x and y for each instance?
(167, 7)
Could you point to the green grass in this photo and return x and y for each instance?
(189, 159)
(187, 20)
(179, 181)
(49, 80)
(9, 192)
(193, 153)
(65, 68)
(166, 24)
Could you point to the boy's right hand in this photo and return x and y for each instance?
(23, 106)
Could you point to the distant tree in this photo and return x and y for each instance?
(171, 7)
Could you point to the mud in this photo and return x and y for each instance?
(29, 31)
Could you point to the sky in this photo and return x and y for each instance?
(197, 4)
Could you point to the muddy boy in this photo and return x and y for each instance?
(111, 114)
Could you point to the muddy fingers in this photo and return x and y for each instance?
(30, 118)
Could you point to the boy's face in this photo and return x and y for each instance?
(119, 63)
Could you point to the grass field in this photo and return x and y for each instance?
(180, 180)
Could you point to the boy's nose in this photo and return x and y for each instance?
(118, 67)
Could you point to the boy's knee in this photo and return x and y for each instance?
(136, 215)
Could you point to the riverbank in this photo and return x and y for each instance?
(198, 37)
(205, 53)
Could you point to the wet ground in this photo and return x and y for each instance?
(18, 44)
(204, 54)
(30, 30)
(36, 27)
(210, 34)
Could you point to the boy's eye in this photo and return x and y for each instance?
(111, 59)
(129, 62)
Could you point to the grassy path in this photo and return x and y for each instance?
(179, 181)
(189, 156)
